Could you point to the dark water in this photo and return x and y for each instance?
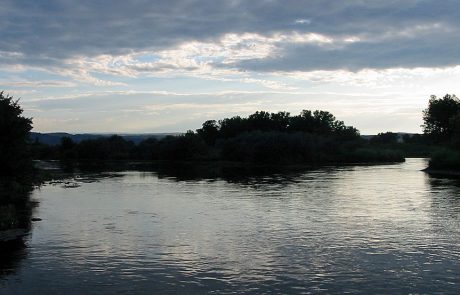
(361, 229)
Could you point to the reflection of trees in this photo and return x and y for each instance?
(15, 215)
(185, 171)
(15, 222)
(445, 198)
(445, 212)
(11, 255)
(188, 171)
(230, 173)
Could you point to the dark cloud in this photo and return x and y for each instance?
(437, 51)
(46, 32)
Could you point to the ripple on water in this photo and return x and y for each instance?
(356, 229)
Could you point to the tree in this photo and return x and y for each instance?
(439, 117)
(324, 121)
(189, 146)
(260, 120)
(209, 131)
(15, 161)
(385, 138)
(230, 127)
(67, 148)
(455, 124)
(280, 120)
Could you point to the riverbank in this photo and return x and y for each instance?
(72, 173)
(141, 232)
(16, 205)
(442, 172)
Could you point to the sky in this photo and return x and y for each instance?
(139, 66)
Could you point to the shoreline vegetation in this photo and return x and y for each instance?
(442, 127)
(442, 172)
(444, 162)
(311, 138)
(17, 174)
(262, 139)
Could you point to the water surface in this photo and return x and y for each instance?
(356, 229)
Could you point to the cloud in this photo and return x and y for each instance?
(36, 84)
(382, 34)
(428, 49)
(95, 61)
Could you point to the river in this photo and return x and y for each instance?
(353, 229)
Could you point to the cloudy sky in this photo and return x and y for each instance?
(164, 66)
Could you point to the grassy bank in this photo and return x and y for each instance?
(445, 162)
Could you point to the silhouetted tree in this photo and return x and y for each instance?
(147, 149)
(324, 122)
(439, 117)
(280, 121)
(303, 122)
(111, 148)
(16, 163)
(67, 148)
(455, 125)
(184, 147)
(260, 121)
(385, 138)
(209, 131)
(230, 127)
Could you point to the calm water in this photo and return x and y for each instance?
(359, 229)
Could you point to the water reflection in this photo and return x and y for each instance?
(11, 255)
(196, 171)
(16, 210)
(389, 229)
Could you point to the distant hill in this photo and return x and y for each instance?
(55, 138)
(399, 134)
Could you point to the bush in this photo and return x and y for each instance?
(445, 159)
(184, 147)
(280, 147)
(367, 155)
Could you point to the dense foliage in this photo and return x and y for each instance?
(442, 118)
(442, 126)
(317, 122)
(14, 131)
(445, 159)
(268, 138)
(16, 165)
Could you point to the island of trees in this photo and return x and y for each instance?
(312, 137)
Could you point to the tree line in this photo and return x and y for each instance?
(312, 137)
(16, 166)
